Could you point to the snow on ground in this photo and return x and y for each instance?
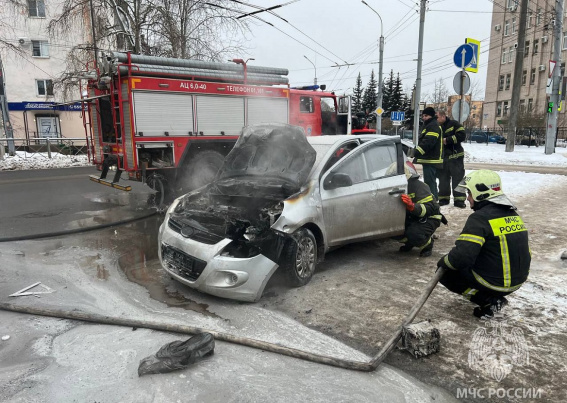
(24, 160)
(493, 153)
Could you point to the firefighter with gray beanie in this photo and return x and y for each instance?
(429, 150)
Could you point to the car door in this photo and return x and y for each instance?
(370, 206)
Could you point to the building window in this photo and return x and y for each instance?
(40, 48)
(536, 43)
(514, 25)
(499, 109)
(530, 104)
(508, 79)
(564, 46)
(507, 28)
(501, 83)
(36, 8)
(511, 54)
(538, 16)
(505, 108)
(527, 49)
(522, 105)
(529, 21)
(504, 55)
(524, 77)
(44, 87)
(532, 76)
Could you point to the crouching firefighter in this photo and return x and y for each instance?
(422, 214)
(491, 257)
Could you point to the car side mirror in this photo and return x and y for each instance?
(337, 180)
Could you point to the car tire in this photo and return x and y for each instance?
(300, 258)
(201, 170)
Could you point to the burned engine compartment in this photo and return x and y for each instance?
(243, 210)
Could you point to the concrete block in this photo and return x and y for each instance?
(421, 339)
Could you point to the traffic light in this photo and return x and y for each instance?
(550, 107)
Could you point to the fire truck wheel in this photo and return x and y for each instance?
(201, 170)
(300, 258)
(156, 183)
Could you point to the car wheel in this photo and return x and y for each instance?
(300, 258)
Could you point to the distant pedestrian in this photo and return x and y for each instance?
(429, 150)
(453, 161)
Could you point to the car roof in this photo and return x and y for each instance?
(326, 140)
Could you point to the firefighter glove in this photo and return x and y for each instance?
(408, 202)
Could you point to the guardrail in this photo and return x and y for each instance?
(48, 147)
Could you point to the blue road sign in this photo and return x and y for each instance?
(464, 53)
(397, 116)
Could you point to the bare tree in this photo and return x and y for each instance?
(476, 90)
(440, 93)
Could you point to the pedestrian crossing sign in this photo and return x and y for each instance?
(473, 67)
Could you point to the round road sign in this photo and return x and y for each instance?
(455, 111)
(463, 56)
(457, 82)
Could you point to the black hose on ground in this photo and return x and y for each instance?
(76, 230)
(262, 345)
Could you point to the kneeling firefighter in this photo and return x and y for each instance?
(422, 214)
(492, 256)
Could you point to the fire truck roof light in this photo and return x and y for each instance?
(307, 88)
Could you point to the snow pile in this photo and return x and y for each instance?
(493, 153)
(25, 160)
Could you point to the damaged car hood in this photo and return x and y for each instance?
(269, 153)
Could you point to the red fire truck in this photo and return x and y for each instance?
(170, 122)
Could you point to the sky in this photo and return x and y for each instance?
(331, 32)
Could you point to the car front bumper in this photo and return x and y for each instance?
(241, 279)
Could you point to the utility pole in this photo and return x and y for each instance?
(380, 94)
(517, 84)
(556, 80)
(315, 79)
(416, 100)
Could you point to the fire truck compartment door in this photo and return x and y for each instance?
(267, 110)
(216, 115)
(156, 113)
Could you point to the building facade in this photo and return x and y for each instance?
(538, 47)
(29, 71)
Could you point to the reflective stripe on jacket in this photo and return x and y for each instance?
(455, 134)
(494, 247)
(425, 205)
(429, 148)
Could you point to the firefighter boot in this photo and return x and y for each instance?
(460, 204)
(425, 252)
(487, 311)
(443, 201)
(406, 247)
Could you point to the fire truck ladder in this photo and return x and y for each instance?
(110, 160)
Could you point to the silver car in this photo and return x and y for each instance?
(283, 200)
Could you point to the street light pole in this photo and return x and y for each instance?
(315, 80)
(380, 82)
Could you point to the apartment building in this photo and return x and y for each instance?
(537, 47)
(28, 75)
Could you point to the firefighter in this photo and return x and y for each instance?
(491, 257)
(422, 214)
(429, 150)
(453, 161)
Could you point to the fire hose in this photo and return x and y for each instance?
(244, 341)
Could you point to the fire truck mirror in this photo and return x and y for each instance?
(343, 105)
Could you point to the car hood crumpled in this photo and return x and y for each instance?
(274, 151)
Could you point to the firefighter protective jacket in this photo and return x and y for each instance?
(429, 148)
(494, 247)
(455, 134)
(425, 205)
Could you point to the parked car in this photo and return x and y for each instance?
(282, 199)
(481, 137)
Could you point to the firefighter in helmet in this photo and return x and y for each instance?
(491, 257)
(422, 214)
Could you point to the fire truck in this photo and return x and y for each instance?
(170, 122)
